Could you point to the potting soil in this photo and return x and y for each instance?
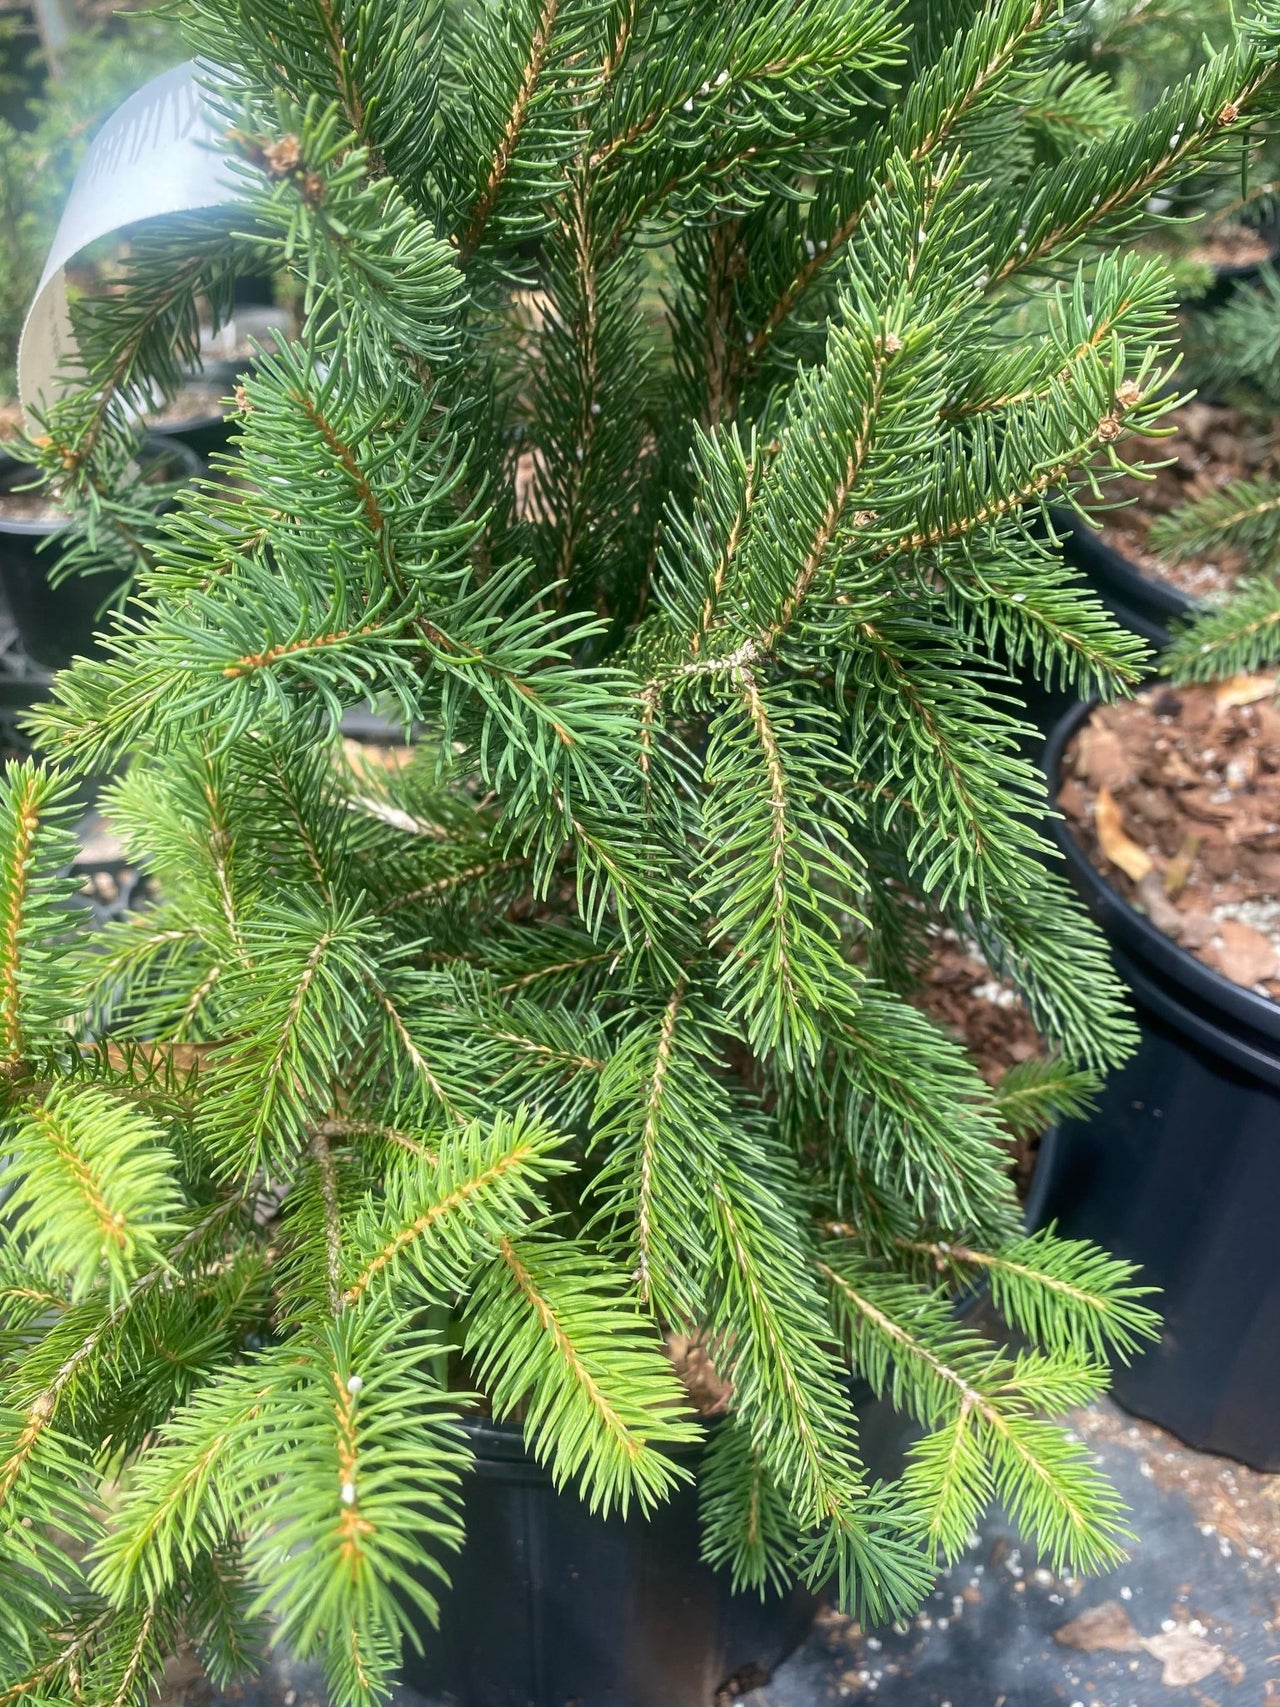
(1175, 797)
(961, 993)
(195, 402)
(1212, 444)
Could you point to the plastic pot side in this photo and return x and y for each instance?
(53, 623)
(550, 1605)
(1178, 1170)
(206, 434)
(56, 624)
(1229, 278)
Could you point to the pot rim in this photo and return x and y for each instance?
(159, 444)
(27, 527)
(1135, 587)
(1138, 937)
(505, 1441)
(190, 424)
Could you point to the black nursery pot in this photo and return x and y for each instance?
(204, 431)
(1137, 601)
(1179, 1170)
(56, 624)
(207, 430)
(52, 623)
(1233, 276)
(550, 1605)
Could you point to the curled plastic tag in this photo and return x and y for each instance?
(157, 154)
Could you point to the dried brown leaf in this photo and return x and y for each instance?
(1107, 1626)
(1244, 690)
(1185, 1657)
(1116, 844)
(1246, 955)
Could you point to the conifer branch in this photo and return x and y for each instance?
(989, 1437)
(62, 1661)
(12, 897)
(134, 1662)
(480, 1183)
(649, 1134)
(538, 48)
(1197, 117)
(349, 92)
(822, 1478)
(1057, 1291)
(1003, 32)
(42, 1408)
(332, 1216)
(600, 1398)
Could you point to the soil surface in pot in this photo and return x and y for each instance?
(17, 505)
(197, 401)
(961, 993)
(1233, 246)
(1175, 797)
(250, 325)
(1214, 443)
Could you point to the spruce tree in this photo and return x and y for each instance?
(665, 446)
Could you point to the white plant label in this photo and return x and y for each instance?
(156, 155)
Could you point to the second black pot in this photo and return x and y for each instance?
(207, 427)
(1139, 602)
(52, 623)
(1233, 276)
(1178, 1169)
(550, 1605)
(58, 623)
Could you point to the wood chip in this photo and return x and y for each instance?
(1159, 908)
(1244, 690)
(1246, 956)
(1115, 843)
(1200, 803)
(1105, 1627)
(141, 1059)
(1103, 759)
(1175, 772)
(1152, 805)
(1072, 798)
(1185, 1657)
(1179, 867)
(372, 756)
(708, 1389)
